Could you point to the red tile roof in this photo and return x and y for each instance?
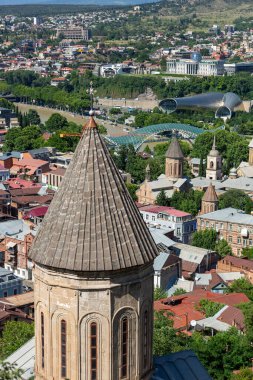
(183, 307)
(18, 183)
(36, 212)
(164, 209)
(233, 317)
(238, 262)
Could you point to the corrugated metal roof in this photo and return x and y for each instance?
(160, 260)
(24, 359)
(183, 365)
(229, 214)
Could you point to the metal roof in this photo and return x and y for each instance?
(139, 136)
(24, 359)
(182, 365)
(229, 214)
(160, 260)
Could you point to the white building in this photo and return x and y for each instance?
(206, 67)
(179, 222)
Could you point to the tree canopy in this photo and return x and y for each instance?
(15, 334)
(10, 372)
(205, 239)
(237, 199)
(242, 285)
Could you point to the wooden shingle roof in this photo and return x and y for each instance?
(92, 223)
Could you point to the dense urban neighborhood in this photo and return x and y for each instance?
(126, 191)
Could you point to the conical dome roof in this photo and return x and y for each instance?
(210, 194)
(214, 152)
(92, 223)
(174, 150)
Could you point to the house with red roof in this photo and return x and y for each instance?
(184, 308)
(182, 223)
(29, 168)
(36, 214)
(236, 264)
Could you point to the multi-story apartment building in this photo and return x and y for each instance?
(74, 33)
(236, 264)
(182, 223)
(9, 283)
(233, 225)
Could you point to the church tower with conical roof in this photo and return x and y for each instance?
(214, 163)
(174, 160)
(93, 275)
(209, 201)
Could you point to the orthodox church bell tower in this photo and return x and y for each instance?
(93, 274)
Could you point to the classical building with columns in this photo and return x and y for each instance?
(93, 275)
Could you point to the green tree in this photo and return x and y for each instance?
(15, 334)
(56, 122)
(209, 308)
(132, 188)
(205, 239)
(21, 139)
(242, 285)
(33, 117)
(189, 201)
(247, 252)
(159, 293)
(237, 199)
(162, 199)
(222, 353)
(102, 129)
(165, 338)
(10, 372)
(179, 291)
(244, 374)
(147, 149)
(247, 309)
(223, 248)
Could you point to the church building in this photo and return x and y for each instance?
(214, 164)
(170, 182)
(210, 200)
(93, 274)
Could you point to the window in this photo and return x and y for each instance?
(207, 224)
(5, 294)
(245, 242)
(42, 340)
(147, 216)
(124, 347)
(145, 340)
(230, 239)
(153, 218)
(238, 240)
(15, 291)
(93, 350)
(178, 231)
(63, 348)
(230, 227)
(250, 241)
(221, 226)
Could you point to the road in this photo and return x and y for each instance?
(45, 113)
(144, 104)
